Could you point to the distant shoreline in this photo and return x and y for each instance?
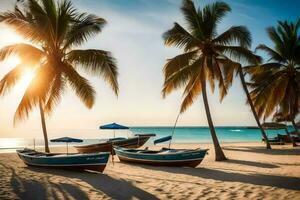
(247, 127)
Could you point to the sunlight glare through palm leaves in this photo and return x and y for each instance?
(24, 81)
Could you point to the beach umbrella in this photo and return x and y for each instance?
(113, 126)
(67, 140)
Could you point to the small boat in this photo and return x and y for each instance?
(91, 161)
(163, 157)
(107, 146)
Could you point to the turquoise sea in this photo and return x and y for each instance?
(181, 135)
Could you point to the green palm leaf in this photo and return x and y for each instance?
(96, 62)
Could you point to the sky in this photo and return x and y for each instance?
(134, 36)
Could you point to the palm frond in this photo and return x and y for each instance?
(239, 54)
(235, 34)
(229, 68)
(36, 91)
(10, 79)
(277, 40)
(212, 15)
(262, 68)
(192, 91)
(180, 77)
(272, 53)
(179, 37)
(26, 52)
(176, 80)
(178, 62)
(210, 71)
(96, 62)
(79, 84)
(55, 93)
(193, 18)
(23, 25)
(85, 26)
(66, 14)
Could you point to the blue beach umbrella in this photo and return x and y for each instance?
(66, 140)
(113, 126)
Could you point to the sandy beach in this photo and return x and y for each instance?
(251, 173)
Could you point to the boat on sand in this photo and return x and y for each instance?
(92, 161)
(107, 146)
(163, 157)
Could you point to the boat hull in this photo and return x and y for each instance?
(96, 168)
(95, 162)
(130, 143)
(178, 163)
(188, 158)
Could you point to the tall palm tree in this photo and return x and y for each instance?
(208, 57)
(276, 84)
(55, 30)
(250, 102)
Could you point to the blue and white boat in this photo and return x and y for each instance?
(88, 161)
(163, 157)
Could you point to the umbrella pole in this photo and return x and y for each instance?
(114, 134)
(67, 148)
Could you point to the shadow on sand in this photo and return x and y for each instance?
(263, 150)
(26, 184)
(114, 188)
(285, 182)
(29, 188)
(251, 163)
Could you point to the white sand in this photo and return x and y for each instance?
(251, 173)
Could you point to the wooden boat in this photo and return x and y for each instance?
(107, 146)
(92, 161)
(163, 157)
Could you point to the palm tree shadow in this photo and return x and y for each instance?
(263, 150)
(114, 188)
(284, 182)
(27, 187)
(68, 190)
(251, 163)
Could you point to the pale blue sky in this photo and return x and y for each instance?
(134, 36)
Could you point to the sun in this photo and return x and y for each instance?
(11, 37)
(23, 83)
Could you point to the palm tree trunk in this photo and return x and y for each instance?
(219, 154)
(44, 128)
(253, 108)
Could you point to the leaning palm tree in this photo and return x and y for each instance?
(276, 84)
(250, 102)
(54, 30)
(208, 57)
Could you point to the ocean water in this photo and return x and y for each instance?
(181, 135)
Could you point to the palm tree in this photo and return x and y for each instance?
(276, 84)
(249, 100)
(55, 30)
(208, 57)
